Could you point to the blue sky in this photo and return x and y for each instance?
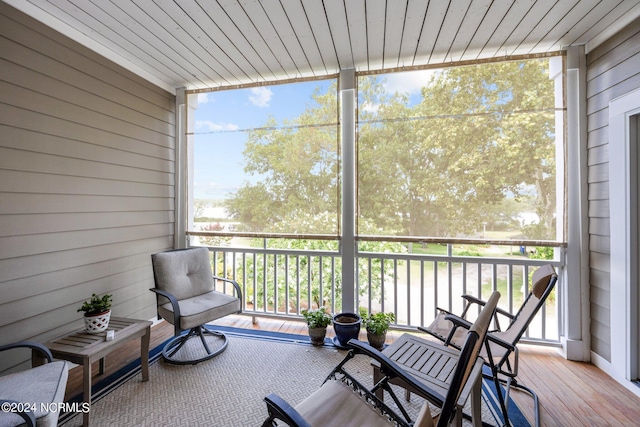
(218, 146)
(218, 122)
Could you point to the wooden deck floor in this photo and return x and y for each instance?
(571, 393)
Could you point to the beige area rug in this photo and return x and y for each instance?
(227, 390)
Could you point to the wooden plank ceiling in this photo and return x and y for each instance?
(200, 44)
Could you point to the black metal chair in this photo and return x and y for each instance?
(345, 402)
(501, 355)
(186, 298)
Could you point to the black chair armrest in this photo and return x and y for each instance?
(458, 321)
(28, 416)
(233, 282)
(391, 369)
(473, 300)
(280, 409)
(511, 348)
(174, 305)
(44, 351)
(505, 313)
(445, 339)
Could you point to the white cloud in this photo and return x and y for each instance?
(369, 107)
(214, 127)
(409, 82)
(203, 98)
(260, 96)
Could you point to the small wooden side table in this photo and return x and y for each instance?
(432, 364)
(84, 349)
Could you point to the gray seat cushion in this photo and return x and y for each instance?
(42, 384)
(201, 309)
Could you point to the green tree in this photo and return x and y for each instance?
(297, 166)
(478, 135)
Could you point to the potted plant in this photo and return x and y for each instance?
(97, 312)
(317, 321)
(377, 326)
(346, 326)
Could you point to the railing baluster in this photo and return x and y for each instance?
(435, 288)
(333, 284)
(298, 284)
(382, 287)
(320, 284)
(422, 293)
(309, 295)
(370, 289)
(450, 276)
(408, 293)
(395, 284)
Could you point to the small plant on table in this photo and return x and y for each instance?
(97, 312)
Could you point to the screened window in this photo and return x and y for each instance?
(265, 159)
(460, 152)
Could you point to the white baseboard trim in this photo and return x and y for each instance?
(605, 366)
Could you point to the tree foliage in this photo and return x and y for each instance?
(297, 163)
(479, 135)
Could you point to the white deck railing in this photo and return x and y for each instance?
(282, 282)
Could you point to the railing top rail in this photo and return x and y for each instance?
(273, 251)
(468, 259)
(399, 239)
(263, 235)
(462, 241)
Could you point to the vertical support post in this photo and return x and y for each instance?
(348, 232)
(191, 105)
(576, 278)
(180, 225)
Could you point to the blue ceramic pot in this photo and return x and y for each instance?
(346, 326)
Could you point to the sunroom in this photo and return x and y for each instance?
(118, 117)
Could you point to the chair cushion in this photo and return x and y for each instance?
(346, 408)
(201, 309)
(42, 384)
(184, 273)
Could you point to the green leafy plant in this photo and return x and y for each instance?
(318, 318)
(96, 304)
(377, 323)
